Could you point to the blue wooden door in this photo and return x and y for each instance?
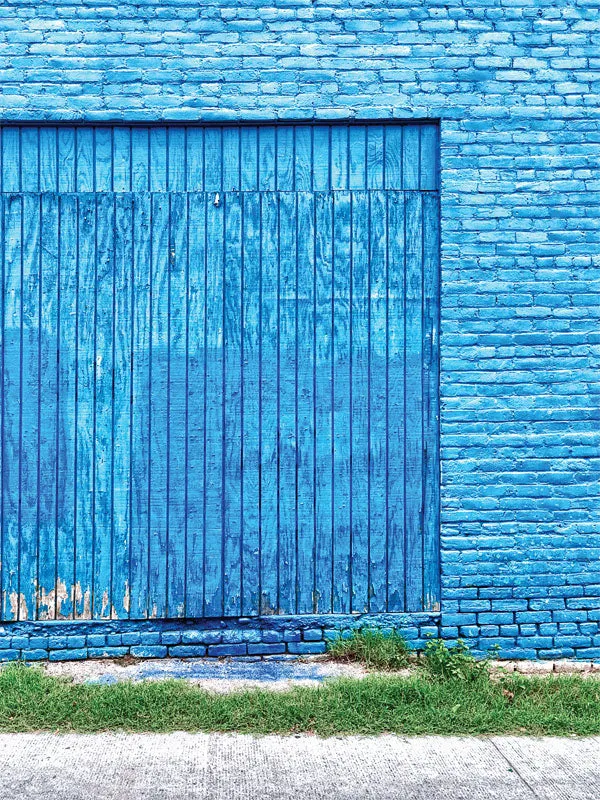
(224, 402)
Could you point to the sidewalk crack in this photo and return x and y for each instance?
(516, 770)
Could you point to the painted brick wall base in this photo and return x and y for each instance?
(212, 638)
(520, 633)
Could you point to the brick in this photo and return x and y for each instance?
(264, 649)
(312, 635)
(227, 650)
(187, 650)
(68, 655)
(306, 648)
(107, 652)
(148, 651)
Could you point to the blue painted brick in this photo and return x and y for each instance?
(20, 642)
(306, 648)
(201, 637)
(244, 635)
(57, 642)
(10, 655)
(150, 638)
(32, 654)
(271, 637)
(312, 635)
(76, 642)
(114, 639)
(148, 651)
(96, 640)
(131, 638)
(227, 650)
(68, 655)
(38, 642)
(291, 636)
(187, 650)
(264, 649)
(107, 652)
(170, 637)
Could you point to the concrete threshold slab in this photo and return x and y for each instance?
(236, 767)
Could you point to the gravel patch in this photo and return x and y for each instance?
(220, 676)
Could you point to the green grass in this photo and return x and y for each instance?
(31, 701)
(373, 648)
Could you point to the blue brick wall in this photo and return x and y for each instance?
(269, 637)
(516, 85)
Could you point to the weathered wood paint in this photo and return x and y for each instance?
(219, 368)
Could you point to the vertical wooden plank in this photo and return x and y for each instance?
(30, 154)
(410, 156)
(84, 142)
(84, 429)
(104, 159)
(339, 156)
(321, 158)
(414, 402)
(122, 411)
(231, 159)
(285, 158)
(12, 395)
(303, 158)
(431, 387)
(250, 403)
(267, 166)
(249, 158)
(359, 407)
(48, 159)
(67, 366)
(159, 379)
(196, 403)
(287, 403)
(269, 404)
(176, 150)
(305, 348)
(429, 155)
(357, 167)
(140, 407)
(46, 512)
(213, 532)
(375, 157)
(395, 404)
(140, 159)
(341, 404)
(11, 158)
(195, 159)
(158, 160)
(121, 159)
(177, 394)
(232, 388)
(29, 483)
(323, 407)
(377, 404)
(213, 160)
(66, 159)
(393, 156)
(103, 407)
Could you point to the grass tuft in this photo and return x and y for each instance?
(374, 648)
(560, 705)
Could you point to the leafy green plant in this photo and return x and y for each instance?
(376, 649)
(453, 663)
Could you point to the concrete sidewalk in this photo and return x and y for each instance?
(191, 766)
